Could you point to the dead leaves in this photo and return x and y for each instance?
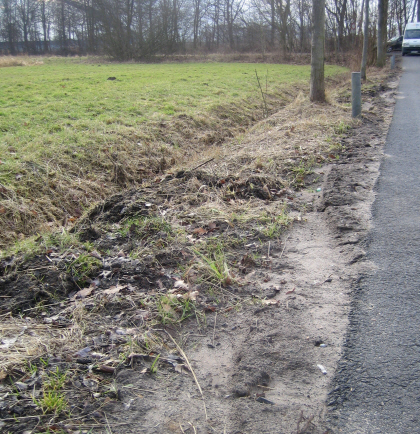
(114, 289)
(86, 292)
(200, 231)
(83, 293)
(183, 290)
(271, 302)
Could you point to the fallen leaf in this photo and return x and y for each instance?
(192, 295)
(83, 293)
(212, 226)
(181, 284)
(3, 375)
(2, 209)
(332, 156)
(199, 231)
(270, 302)
(113, 289)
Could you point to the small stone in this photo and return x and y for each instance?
(240, 392)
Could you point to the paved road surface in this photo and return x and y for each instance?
(379, 377)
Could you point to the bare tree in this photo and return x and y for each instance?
(338, 10)
(9, 24)
(317, 92)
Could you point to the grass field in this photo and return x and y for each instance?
(70, 136)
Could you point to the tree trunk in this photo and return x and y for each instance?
(381, 41)
(365, 41)
(317, 92)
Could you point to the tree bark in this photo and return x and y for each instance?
(365, 41)
(317, 92)
(381, 41)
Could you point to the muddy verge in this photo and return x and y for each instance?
(166, 314)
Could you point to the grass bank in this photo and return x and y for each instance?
(73, 131)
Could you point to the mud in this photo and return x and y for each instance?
(253, 350)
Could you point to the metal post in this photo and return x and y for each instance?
(356, 94)
(393, 61)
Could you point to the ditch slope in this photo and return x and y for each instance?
(210, 300)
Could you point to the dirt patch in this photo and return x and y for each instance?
(186, 305)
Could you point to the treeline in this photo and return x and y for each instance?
(138, 29)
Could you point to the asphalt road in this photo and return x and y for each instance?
(377, 389)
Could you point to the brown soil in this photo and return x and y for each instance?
(237, 355)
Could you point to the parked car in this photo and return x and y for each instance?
(411, 42)
(394, 43)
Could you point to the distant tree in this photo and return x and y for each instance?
(9, 24)
(337, 9)
(317, 92)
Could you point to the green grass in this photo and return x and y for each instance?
(70, 102)
(69, 136)
(83, 267)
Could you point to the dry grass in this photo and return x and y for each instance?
(25, 340)
(7, 61)
(281, 149)
(95, 137)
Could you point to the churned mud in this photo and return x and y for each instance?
(183, 316)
